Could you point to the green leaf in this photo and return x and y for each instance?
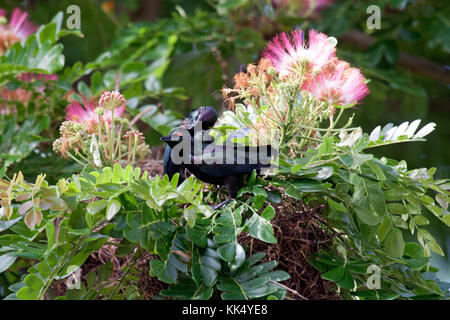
(190, 214)
(346, 281)
(384, 229)
(26, 293)
(274, 196)
(421, 220)
(167, 275)
(117, 173)
(167, 269)
(268, 213)
(413, 250)
(51, 234)
(227, 251)
(336, 206)
(335, 274)
(6, 261)
(252, 179)
(366, 215)
(5, 225)
(394, 244)
(96, 206)
(446, 219)
(112, 209)
(43, 269)
(294, 193)
(377, 170)
(436, 248)
(48, 33)
(355, 160)
(206, 266)
(228, 226)
(239, 257)
(261, 229)
(33, 286)
(186, 289)
(258, 202)
(199, 233)
(322, 267)
(252, 280)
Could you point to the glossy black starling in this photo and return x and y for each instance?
(220, 164)
(205, 117)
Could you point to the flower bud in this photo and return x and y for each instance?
(99, 111)
(57, 145)
(271, 71)
(134, 134)
(78, 127)
(124, 122)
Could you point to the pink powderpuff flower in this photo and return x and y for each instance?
(338, 85)
(86, 114)
(12, 96)
(21, 95)
(31, 77)
(289, 53)
(18, 29)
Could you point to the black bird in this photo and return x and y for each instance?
(220, 164)
(205, 117)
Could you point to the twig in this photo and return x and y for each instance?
(289, 289)
(139, 115)
(132, 263)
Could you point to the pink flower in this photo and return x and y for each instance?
(9, 98)
(18, 29)
(86, 113)
(29, 77)
(290, 54)
(112, 99)
(338, 85)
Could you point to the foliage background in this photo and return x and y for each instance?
(212, 46)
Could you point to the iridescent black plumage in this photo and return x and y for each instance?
(211, 163)
(204, 116)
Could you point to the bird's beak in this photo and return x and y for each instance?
(166, 139)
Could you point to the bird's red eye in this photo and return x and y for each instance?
(179, 134)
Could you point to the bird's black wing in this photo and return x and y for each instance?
(220, 160)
